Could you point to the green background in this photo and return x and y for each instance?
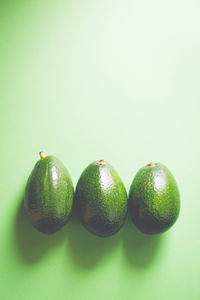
(86, 80)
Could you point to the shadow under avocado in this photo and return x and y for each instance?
(85, 248)
(31, 244)
(140, 249)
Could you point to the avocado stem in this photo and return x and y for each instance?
(150, 164)
(101, 162)
(42, 154)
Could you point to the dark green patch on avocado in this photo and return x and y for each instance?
(101, 199)
(154, 200)
(49, 195)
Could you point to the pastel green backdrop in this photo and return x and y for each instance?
(86, 80)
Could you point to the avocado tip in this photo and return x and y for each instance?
(150, 164)
(101, 162)
(42, 154)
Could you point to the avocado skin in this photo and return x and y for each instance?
(154, 199)
(49, 195)
(101, 199)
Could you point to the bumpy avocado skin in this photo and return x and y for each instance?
(49, 195)
(101, 199)
(154, 199)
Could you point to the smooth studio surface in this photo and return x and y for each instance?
(89, 80)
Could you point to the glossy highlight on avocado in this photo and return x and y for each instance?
(101, 199)
(154, 199)
(49, 194)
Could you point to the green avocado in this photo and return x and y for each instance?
(154, 199)
(49, 194)
(101, 199)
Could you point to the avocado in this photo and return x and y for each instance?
(49, 194)
(101, 199)
(154, 199)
